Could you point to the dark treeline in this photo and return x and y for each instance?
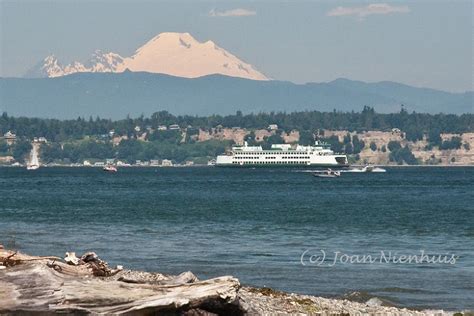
(74, 141)
(413, 124)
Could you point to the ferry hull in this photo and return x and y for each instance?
(283, 165)
(292, 166)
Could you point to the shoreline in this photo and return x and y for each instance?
(91, 286)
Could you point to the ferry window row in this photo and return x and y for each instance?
(270, 157)
(268, 162)
(259, 153)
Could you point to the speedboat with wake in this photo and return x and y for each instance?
(109, 168)
(327, 174)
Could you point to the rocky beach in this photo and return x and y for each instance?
(87, 285)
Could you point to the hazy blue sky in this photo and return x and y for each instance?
(422, 43)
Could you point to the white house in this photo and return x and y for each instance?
(166, 163)
(9, 137)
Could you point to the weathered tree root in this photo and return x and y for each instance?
(13, 258)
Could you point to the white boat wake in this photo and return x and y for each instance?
(366, 169)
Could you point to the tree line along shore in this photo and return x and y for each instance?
(366, 137)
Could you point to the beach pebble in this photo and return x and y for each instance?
(374, 301)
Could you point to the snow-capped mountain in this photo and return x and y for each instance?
(48, 67)
(177, 54)
(108, 62)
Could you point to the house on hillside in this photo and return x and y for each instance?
(261, 134)
(40, 140)
(9, 137)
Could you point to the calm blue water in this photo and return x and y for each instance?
(255, 224)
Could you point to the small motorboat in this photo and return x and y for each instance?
(211, 162)
(327, 174)
(109, 168)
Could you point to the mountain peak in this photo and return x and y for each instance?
(51, 67)
(167, 41)
(177, 54)
(180, 54)
(175, 35)
(50, 58)
(171, 37)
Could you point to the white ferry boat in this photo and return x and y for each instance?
(282, 155)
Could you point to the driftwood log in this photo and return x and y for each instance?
(87, 285)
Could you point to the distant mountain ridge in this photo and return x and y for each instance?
(115, 95)
(177, 54)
